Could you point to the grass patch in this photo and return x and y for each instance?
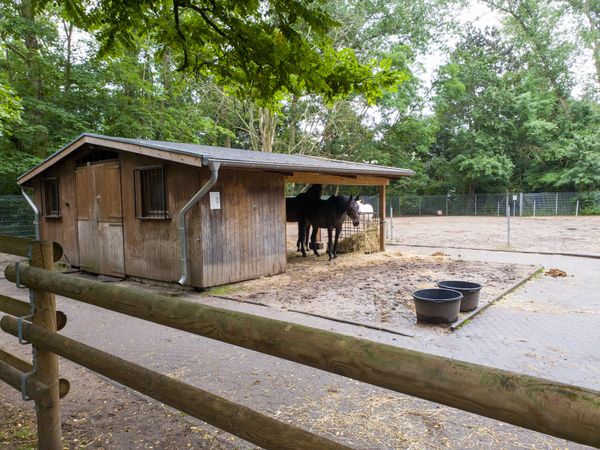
(18, 435)
(226, 289)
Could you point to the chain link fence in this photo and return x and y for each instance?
(519, 204)
(16, 217)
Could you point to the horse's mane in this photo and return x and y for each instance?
(339, 202)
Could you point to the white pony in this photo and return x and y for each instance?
(365, 210)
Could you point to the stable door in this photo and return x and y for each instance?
(100, 219)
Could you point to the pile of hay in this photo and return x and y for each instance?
(366, 241)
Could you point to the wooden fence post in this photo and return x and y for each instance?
(48, 418)
(382, 206)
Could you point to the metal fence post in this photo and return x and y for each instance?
(446, 206)
(507, 220)
(391, 222)
(534, 208)
(520, 204)
(556, 207)
(498, 213)
(48, 418)
(577, 208)
(419, 206)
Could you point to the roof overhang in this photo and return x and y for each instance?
(359, 174)
(93, 140)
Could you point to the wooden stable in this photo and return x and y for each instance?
(114, 203)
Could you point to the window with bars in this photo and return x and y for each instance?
(150, 193)
(50, 197)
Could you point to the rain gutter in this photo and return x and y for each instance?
(183, 241)
(36, 212)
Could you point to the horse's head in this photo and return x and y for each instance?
(352, 210)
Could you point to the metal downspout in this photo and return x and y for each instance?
(185, 263)
(36, 212)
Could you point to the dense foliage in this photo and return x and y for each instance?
(506, 107)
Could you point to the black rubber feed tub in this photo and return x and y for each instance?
(437, 305)
(469, 290)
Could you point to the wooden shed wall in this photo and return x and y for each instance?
(151, 245)
(62, 229)
(245, 239)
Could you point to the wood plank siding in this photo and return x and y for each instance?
(244, 239)
(61, 229)
(152, 245)
(100, 218)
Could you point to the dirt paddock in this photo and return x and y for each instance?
(563, 234)
(374, 289)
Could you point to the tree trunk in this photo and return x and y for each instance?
(32, 45)
(69, 33)
(594, 32)
(266, 126)
(254, 136)
(292, 125)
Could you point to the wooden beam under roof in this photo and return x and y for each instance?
(108, 143)
(321, 178)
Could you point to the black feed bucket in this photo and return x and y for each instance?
(437, 305)
(470, 292)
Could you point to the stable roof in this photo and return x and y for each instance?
(298, 168)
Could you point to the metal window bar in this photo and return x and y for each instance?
(50, 197)
(150, 195)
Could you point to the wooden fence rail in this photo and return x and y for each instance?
(21, 246)
(34, 389)
(554, 408)
(19, 308)
(231, 417)
(557, 409)
(24, 367)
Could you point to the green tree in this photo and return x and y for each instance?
(10, 109)
(259, 50)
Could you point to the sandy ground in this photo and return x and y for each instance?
(565, 234)
(369, 288)
(374, 289)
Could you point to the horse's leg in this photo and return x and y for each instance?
(307, 234)
(301, 236)
(329, 243)
(313, 240)
(335, 243)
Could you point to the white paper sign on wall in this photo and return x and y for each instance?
(215, 200)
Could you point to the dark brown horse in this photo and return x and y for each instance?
(331, 214)
(296, 209)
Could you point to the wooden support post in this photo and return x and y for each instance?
(561, 410)
(48, 417)
(382, 205)
(237, 419)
